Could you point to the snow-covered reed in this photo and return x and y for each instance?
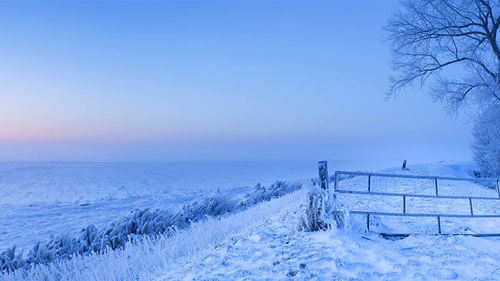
(140, 258)
(323, 211)
(137, 225)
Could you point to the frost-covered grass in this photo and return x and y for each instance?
(140, 258)
(136, 226)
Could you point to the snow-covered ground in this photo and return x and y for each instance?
(275, 250)
(263, 242)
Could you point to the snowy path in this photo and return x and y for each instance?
(277, 251)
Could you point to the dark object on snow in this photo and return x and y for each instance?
(394, 237)
(404, 166)
(476, 174)
(323, 174)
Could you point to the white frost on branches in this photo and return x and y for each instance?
(449, 47)
(486, 146)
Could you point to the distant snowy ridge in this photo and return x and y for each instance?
(136, 226)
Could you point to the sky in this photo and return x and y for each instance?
(210, 80)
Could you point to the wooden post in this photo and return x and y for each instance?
(470, 204)
(323, 174)
(368, 222)
(369, 182)
(498, 187)
(439, 224)
(436, 183)
(335, 181)
(404, 204)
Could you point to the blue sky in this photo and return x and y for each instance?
(209, 80)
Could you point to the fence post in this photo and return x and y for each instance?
(368, 222)
(335, 181)
(498, 187)
(369, 182)
(436, 183)
(323, 174)
(471, 210)
(439, 224)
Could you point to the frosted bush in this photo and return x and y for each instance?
(323, 212)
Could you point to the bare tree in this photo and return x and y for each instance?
(449, 47)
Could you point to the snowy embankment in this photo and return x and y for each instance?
(138, 260)
(139, 224)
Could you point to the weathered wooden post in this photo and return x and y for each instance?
(323, 174)
(498, 187)
(439, 225)
(335, 181)
(404, 204)
(436, 184)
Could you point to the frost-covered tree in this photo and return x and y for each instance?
(486, 146)
(450, 48)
